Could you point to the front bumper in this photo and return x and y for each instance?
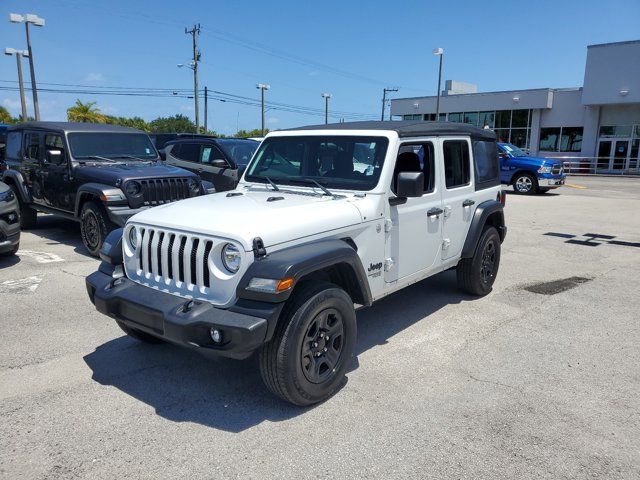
(120, 214)
(180, 320)
(9, 228)
(550, 180)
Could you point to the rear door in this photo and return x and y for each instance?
(458, 194)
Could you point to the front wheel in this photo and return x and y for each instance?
(28, 215)
(94, 227)
(307, 358)
(525, 183)
(476, 275)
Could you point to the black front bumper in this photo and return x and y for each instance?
(9, 229)
(181, 321)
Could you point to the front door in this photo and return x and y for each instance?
(457, 195)
(414, 235)
(59, 191)
(31, 165)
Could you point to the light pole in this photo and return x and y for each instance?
(19, 54)
(193, 65)
(326, 97)
(32, 19)
(384, 100)
(262, 87)
(438, 52)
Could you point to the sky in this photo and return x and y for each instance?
(350, 49)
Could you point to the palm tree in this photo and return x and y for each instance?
(5, 116)
(85, 112)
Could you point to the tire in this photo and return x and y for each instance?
(11, 252)
(476, 275)
(525, 184)
(28, 215)
(139, 335)
(299, 364)
(94, 227)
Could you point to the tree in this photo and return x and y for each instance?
(133, 122)
(175, 124)
(257, 132)
(85, 112)
(5, 116)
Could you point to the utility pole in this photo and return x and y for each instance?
(206, 109)
(262, 87)
(384, 100)
(38, 22)
(194, 32)
(438, 52)
(326, 97)
(19, 54)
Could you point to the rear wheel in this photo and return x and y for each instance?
(138, 334)
(306, 360)
(28, 215)
(94, 227)
(525, 183)
(476, 275)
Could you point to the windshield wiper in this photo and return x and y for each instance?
(135, 158)
(316, 183)
(272, 183)
(96, 157)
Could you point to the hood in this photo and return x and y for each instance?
(537, 161)
(254, 214)
(111, 173)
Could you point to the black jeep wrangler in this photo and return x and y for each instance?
(96, 174)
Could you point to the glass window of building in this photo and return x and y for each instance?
(455, 117)
(615, 131)
(471, 118)
(487, 118)
(519, 118)
(503, 119)
(571, 139)
(502, 134)
(519, 137)
(549, 139)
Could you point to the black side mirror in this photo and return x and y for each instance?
(410, 184)
(163, 154)
(55, 157)
(219, 163)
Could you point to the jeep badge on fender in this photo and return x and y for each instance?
(279, 264)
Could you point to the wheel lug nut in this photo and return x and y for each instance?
(324, 349)
(327, 337)
(315, 344)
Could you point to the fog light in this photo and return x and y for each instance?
(216, 335)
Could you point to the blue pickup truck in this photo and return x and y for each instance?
(527, 174)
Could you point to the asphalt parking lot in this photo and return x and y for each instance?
(536, 380)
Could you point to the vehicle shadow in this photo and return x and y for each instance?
(183, 386)
(60, 230)
(541, 195)
(8, 260)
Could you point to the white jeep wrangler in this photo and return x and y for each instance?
(325, 218)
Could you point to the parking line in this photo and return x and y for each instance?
(581, 187)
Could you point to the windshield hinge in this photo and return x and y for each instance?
(388, 225)
(258, 248)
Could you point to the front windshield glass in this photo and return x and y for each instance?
(240, 150)
(512, 150)
(351, 163)
(130, 146)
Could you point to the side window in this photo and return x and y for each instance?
(485, 159)
(14, 139)
(406, 162)
(53, 142)
(456, 163)
(32, 146)
(187, 151)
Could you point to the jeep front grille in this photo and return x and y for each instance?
(171, 258)
(164, 190)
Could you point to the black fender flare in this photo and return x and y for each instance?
(487, 209)
(520, 171)
(99, 191)
(302, 260)
(15, 179)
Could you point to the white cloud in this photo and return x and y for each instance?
(94, 77)
(272, 120)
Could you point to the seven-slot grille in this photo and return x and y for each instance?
(164, 190)
(176, 258)
(556, 169)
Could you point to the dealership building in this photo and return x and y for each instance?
(597, 124)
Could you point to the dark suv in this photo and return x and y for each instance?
(221, 161)
(96, 174)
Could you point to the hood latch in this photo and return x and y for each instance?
(258, 248)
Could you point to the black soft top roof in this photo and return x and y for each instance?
(75, 127)
(408, 128)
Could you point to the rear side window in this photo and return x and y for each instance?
(485, 158)
(187, 151)
(14, 139)
(457, 170)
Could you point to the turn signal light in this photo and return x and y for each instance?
(284, 284)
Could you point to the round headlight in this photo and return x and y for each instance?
(132, 188)
(194, 185)
(133, 238)
(231, 257)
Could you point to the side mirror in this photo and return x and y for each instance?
(503, 155)
(55, 157)
(410, 184)
(219, 163)
(163, 154)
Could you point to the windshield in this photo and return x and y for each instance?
(240, 151)
(512, 150)
(352, 163)
(132, 146)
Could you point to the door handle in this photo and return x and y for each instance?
(468, 203)
(434, 212)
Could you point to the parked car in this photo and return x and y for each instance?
(160, 140)
(221, 161)
(9, 221)
(278, 264)
(98, 175)
(529, 174)
(3, 141)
